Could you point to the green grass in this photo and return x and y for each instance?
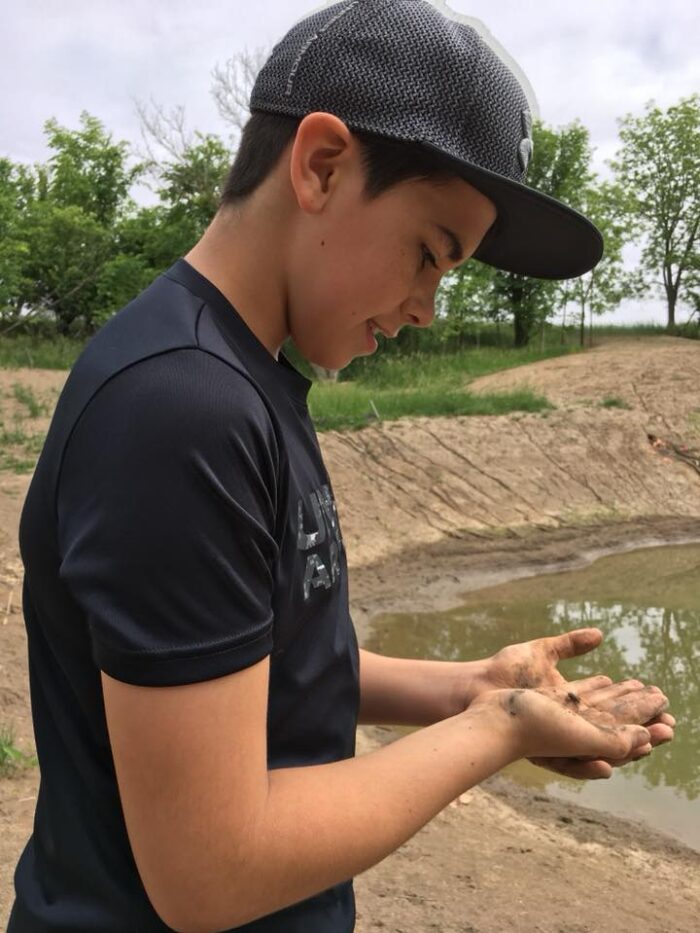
(12, 760)
(420, 370)
(25, 396)
(39, 352)
(27, 447)
(614, 402)
(420, 385)
(346, 405)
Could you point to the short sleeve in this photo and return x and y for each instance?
(167, 510)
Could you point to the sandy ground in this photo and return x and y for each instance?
(433, 508)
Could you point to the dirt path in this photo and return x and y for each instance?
(431, 508)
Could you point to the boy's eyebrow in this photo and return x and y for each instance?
(456, 253)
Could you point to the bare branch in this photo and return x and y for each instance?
(233, 83)
(166, 131)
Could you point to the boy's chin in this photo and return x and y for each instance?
(327, 359)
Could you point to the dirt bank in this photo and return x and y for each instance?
(431, 508)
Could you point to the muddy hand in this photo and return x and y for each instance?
(628, 701)
(553, 722)
(534, 663)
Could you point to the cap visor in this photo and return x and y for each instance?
(534, 234)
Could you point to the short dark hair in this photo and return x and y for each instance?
(386, 161)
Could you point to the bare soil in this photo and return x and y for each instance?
(431, 508)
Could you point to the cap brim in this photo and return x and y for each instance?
(534, 234)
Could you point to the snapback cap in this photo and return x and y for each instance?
(415, 71)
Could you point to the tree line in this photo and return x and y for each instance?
(75, 246)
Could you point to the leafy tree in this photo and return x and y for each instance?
(13, 246)
(560, 167)
(88, 171)
(67, 251)
(658, 169)
(65, 215)
(465, 298)
(603, 288)
(192, 185)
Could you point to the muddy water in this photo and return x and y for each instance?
(647, 603)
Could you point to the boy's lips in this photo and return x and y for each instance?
(381, 329)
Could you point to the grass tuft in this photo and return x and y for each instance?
(12, 759)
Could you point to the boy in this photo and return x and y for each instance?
(196, 680)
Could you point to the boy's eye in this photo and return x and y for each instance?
(427, 256)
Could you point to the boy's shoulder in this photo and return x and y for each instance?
(162, 368)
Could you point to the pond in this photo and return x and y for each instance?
(647, 603)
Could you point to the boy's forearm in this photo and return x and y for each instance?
(323, 824)
(403, 691)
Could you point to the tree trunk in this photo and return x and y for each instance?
(671, 296)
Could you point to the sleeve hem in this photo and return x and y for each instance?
(147, 670)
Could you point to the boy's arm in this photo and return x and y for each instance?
(401, 691)
(219, 839)
(422, 692)
(404, 691)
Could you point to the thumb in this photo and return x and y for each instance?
(571, 644)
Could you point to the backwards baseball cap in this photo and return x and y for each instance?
(408, 70)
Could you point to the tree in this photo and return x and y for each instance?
(658, 169)
(466, 297)
(88, 170)
(560, 167)
(607, 283)
(233, 84)
(79, 197)
(13, 245)
(191, 186)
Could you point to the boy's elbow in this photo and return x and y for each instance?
(227, 893)
(187, 918)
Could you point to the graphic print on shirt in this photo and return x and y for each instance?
(318, 534)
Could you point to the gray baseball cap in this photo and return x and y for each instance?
(405, 70)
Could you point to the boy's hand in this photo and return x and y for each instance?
(533, 664)
(551, 722)
(628, 701)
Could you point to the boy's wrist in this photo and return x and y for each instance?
(492, 710)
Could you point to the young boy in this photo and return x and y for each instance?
(195, 677)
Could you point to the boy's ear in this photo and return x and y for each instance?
(321, 150)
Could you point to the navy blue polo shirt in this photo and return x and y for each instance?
(180, 525)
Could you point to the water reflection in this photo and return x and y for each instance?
(647, 603)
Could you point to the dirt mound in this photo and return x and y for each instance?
(419, 480)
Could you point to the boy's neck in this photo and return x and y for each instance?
(241, 254)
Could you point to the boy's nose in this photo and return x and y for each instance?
(419, 310)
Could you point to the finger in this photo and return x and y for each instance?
(665, 718)
(572, 644)
(622, 741)
(586, 684)
(605, 694)
(642, 751)
(659, 732)
(594, 770)
(637, 708)
(640, 706)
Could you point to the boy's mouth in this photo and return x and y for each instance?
(376, 326)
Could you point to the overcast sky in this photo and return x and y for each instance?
(595, 60)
